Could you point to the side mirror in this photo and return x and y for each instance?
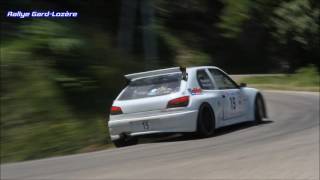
(243, 85)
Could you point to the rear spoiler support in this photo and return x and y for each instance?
(184, 73)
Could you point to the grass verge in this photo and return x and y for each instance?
(304, 79)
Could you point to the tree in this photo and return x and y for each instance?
(298, 21)
(296, 30)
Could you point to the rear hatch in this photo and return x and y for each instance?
(149, 93)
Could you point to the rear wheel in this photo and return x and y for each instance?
(206, 121)
(122, 142)
(260, 111)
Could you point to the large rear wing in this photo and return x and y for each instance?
(156, 72)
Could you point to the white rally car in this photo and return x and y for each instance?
(176, 100)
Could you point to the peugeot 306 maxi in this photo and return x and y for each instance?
(178, 100)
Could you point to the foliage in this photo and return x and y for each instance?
(297, 20)
(233, 17)
(184, 56)
(38, 116)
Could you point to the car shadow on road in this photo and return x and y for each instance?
(191, 136)
(240, 126)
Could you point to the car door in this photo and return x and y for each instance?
(212, 96)
(233, 97)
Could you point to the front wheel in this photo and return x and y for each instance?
(260, 110)
(206, 121)
(125, 142)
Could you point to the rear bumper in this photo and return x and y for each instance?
(164, 122)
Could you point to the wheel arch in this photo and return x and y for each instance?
(252, 94)
(259, 95)
(205, 103)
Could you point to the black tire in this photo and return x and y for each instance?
(259, 109)
(206, 121)
(125, 142)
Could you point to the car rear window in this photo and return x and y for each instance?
(152, 86)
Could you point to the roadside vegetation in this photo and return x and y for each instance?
(304, 79)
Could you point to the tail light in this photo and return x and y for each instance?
(115, 110)
(178, 102)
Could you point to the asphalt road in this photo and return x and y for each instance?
(286, 146)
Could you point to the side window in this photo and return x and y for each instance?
(204, 80)
(222, 81)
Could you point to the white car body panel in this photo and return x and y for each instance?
(150, 115)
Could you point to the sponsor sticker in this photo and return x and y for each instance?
(195, 91)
